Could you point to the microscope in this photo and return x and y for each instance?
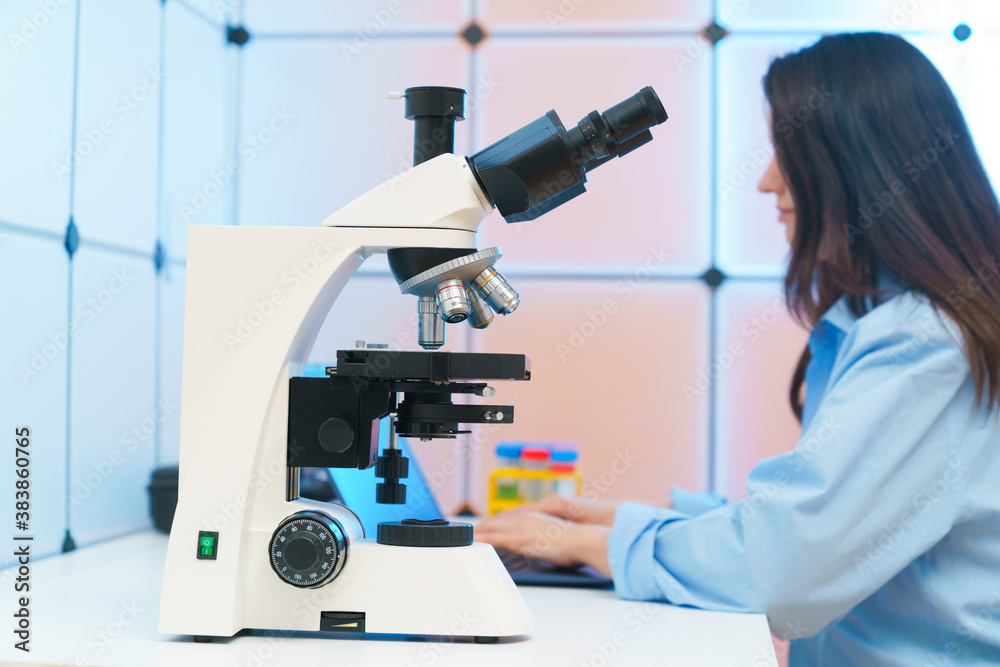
(245, 550)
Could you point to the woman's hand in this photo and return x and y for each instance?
(601, 512)
(546, 537)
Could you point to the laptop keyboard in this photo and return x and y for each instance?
(515, 562)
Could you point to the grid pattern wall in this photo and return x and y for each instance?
(651, 305)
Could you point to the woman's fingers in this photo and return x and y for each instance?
(531, 534)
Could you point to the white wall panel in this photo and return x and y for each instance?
(112, 410)
(846, 15)
(195, 138)
(34, 274)
(308, 149)
(120, 81)
(361, 21)
(36, 117)
(172, 282)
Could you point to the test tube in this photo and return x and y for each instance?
(565, 457)
(508, 456)
(534, 458)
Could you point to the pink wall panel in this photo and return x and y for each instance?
(657, 197)
(555, 15)
(608, 364)
(758, 346)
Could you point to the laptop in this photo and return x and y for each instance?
(356, 490)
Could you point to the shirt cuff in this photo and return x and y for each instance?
(693, 503)
(631, 550)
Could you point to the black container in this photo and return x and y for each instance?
(163, 497)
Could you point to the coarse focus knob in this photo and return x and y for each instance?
(390, 493)
(308, 549)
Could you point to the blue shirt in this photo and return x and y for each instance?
(876, 541)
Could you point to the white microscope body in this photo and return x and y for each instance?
(256, 298)
(250, 322)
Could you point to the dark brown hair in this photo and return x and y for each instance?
(885, 177)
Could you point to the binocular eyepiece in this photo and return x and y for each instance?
(543, 164)
(524, 175)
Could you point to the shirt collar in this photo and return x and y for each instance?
(839, 315)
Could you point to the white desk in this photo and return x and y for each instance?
(99, 606)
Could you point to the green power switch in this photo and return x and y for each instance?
(208, 545)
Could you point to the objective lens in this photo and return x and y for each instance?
(499, 293)
(452, 301)
(430, 326)
(480, 314)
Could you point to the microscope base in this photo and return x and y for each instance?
(447, 591)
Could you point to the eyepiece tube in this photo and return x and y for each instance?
(544, 164)
(636, 114)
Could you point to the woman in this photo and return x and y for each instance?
(877, 540)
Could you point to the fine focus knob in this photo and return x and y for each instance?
(308, 549)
